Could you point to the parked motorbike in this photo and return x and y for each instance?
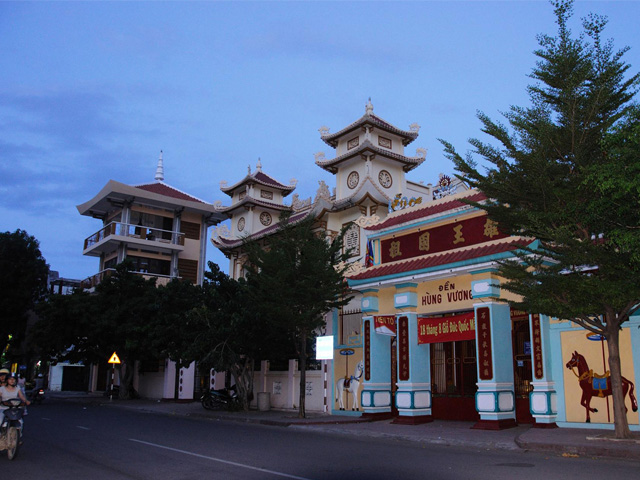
(221, 399)
(11, 428)
(37, 395)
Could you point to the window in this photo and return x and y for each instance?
(352, 240)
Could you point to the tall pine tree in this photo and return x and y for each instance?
(564, 171)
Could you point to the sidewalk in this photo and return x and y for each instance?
(559, 441)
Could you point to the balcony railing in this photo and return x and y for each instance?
(93, 281)
(135, 231)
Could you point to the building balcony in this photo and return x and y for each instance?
(90, 283)
(108, 238)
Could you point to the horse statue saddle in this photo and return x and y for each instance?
(347, 381)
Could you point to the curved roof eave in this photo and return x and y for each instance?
(374, 120)
(115, 192)
(409, 163)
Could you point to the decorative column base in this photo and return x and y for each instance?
(495, 402)
(542, 401)
(413, 401)
(376, 399)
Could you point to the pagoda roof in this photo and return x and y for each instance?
(160, 195)
(162, 188)
(469, 255)
(366, 146)
(260, 178)
(226, 244)
(249, 200)
(430, 208)
(369, 118)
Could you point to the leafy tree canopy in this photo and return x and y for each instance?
(565, 172)
(293, 280)
(23, 281)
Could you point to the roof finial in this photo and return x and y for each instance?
(160, 170)
(249, 169)
(259, 165)
(369, 107)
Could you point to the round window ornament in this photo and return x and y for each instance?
(265, 219)
(241, 224)
(353, 179)
(385, 179)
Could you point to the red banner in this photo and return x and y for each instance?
(385, 325)
(439, 239)
(538, 364)
(485, 359)
(447, 329)
(403, 346)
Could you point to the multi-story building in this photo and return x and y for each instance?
(163, 232)
(370, 167)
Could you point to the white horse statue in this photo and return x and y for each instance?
(352, 385)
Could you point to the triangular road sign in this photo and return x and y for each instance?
(114, 358)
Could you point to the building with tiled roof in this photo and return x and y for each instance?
(433, 285)
(370, 170)
(158, 227)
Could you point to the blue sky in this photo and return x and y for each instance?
(92, 91)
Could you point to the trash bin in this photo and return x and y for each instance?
(264, 401)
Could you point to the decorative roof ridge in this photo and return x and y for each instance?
(160, 182)
(509, 243)
(235, 242)
(263, 179)
(249, 199)
(360, 187)
(368, 145)
(400, 217)
(408, 135)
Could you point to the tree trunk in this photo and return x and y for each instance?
(302, 362)
(242, 372)
(127, 391)
(613, 345)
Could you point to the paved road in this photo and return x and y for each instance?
(75, 441)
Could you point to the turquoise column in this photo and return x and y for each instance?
(495, 398)
(375, 398)
(543, 399)
(413, 397)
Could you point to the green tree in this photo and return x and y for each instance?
(293, 281)
(565, 173)
(221, 332)
(23, 281)
(119, 316)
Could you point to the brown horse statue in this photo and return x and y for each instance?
(596, 385)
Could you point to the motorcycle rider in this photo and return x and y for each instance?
(3, 376)
(9, 391)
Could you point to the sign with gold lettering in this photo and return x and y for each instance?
(439, 239)
(447, 329)
(536, 338)
(403, 348)
(367, 350)
(385, 325)
(483, 337)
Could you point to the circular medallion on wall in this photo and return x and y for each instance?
(384, 178)
(353, 179)
(241, 224)
(265, 218)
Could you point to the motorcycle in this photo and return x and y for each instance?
(11, 428)
(37, 395)
(224, 398)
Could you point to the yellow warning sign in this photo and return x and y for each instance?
(114, 358)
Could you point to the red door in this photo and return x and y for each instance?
(454, 376)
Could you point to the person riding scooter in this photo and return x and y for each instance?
(9, 391)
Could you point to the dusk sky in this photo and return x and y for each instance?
(93, 91)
